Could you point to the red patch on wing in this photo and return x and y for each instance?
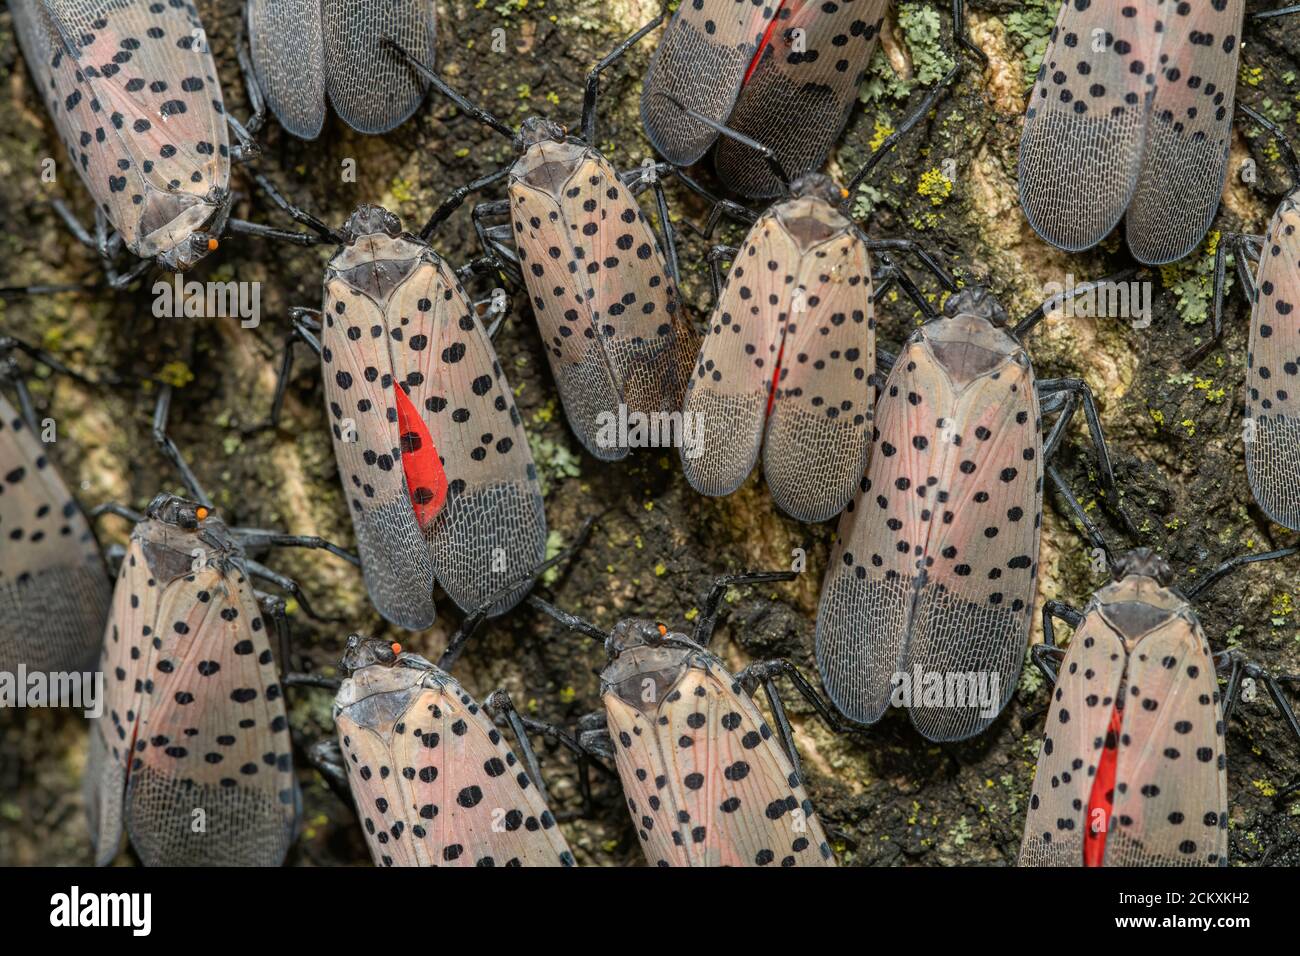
(426, 482)
(776, 377)
(763, 45)
(1102, 797)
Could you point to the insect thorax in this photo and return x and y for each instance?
(646, 664)
(969, 346)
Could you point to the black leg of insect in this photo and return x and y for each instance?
(304, 326)
(962, 36)
(764, 674)
(473, 620)
(161, 412)
(499, 705)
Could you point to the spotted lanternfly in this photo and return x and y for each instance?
(302, 49)
(616, 331)
(433, 780)
(192, 753)
(1131, 115)
(786, 75)
(787, 360)
(1132, 771)
(932, 578)
(706, 780)
(134, 94)
(432, 452)
(54, 590)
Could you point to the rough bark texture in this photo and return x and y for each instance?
(887, 796)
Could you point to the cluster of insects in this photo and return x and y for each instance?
(932, 454)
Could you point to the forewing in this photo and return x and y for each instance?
(732, 384)
(370, 85)
(637, 310)
(729, 794)
(1272, 366)
(215, 736)
(124, 661)
(1171, 790)
(54, 591)
(1082, 703)
(870, 586)
(700, 64)
(1081, 150)
(819, 430)
(441, 788)
(362, 405)
(1189, 131)
(134, 93)
(288, 48)
(800, 92)
(492, 530)
(983, 515)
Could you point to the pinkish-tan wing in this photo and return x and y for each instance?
(1171, 790)
(800, 90)
(1083, 700)
(360, 395)
(612, 320)
(701, 64)
(983, 500)
(491, 531)
(731, 389)
(711, 786)
(1273, 373)
(124, 661)
(134, 93)
(819, 429)
(201, 770)
(865, 610)
(54, 591)
(441, 788)
(1081, 150)
(1188, 130)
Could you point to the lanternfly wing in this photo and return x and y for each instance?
(371, 87)
(1171, 791)
(611, 318)
(1078, 728)
(288, 49)
(134, 94)
(491, 531)
(54, 591)
(793, 342)
(701, 64)
(800, 90)
(1081, 150)
(937, 556)
(819, 428)
(1272, 367)
(1188, 132)
(435, 784)
(707, 782)
(194, 728)
(366, 416)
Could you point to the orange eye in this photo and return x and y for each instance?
(212, 245)
(201, 513)
(397, 648)
(663, 630)
(844, 194)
